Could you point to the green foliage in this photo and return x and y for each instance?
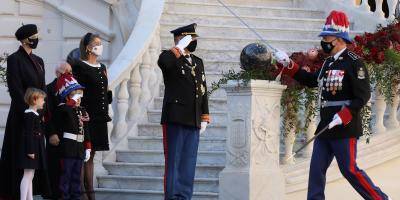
(294, 99)
(386, 76)
(245, 76)
(366, 121)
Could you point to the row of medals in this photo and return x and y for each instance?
(333, 84)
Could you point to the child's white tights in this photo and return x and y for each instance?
(26, 184)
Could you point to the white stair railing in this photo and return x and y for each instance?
(131, 73)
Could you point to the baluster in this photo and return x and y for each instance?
(134, 92)
(392, 8)
(122, 108)
(379, 108)
(364, 6)
(289, 139)
(145, 71)
(392, 120)
(154, 81)
(379, 12)
(310, 133)
(110, 125)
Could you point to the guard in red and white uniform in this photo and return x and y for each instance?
(344, 89)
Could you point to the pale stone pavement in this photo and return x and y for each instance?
(386, 176)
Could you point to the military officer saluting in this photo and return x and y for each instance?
(185, 112)
(344, 89)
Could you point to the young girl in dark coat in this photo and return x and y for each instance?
(32, 154)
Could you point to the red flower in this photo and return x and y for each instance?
(382, 33)
(395, 37)
(360, 40)
(380, 57)
(397, 47)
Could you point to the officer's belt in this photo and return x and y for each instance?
(78, 138)
(325, 104)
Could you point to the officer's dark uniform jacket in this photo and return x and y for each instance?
(185, 98)
(343, 79)
(67, 120)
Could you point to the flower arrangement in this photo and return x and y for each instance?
(381, 52)
(296, 98)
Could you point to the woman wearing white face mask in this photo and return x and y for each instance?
(93, 76)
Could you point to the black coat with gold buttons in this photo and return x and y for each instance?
(96, 95)
(185, 98)
(345, 78)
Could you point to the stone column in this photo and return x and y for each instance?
(252, 170)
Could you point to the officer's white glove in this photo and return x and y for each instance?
(281, 57)
(335, 121)
(203, 126)
(183, 43)
(87, 154)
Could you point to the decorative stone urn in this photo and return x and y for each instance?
(252, 170)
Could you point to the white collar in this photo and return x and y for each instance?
(336, 56)
(31, 110)
(92, 65)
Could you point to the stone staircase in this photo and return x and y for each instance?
(137, 173)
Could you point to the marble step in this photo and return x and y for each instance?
(242, 10)
(219, 66)
(376, 157)
(217, 117)
(233, 31)
(126, 194)
(255, 3)
(221, 44)
(155, 143)
(213, 103)
(157, 156)
(376, 141)
(376, 144)
(152, 183)
(252, 20)
(213, 130)
(155, 169)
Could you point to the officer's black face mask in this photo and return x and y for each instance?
(192, 46)
(327, 47)
(33, 43)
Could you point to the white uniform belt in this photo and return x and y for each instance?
(325, 104)
(78, 138)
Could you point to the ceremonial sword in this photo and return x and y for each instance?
(274, 50)
(309, 141)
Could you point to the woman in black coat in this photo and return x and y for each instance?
(93, 76)
(24, 70)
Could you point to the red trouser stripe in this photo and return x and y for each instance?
(164, 130)
(358, 175)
